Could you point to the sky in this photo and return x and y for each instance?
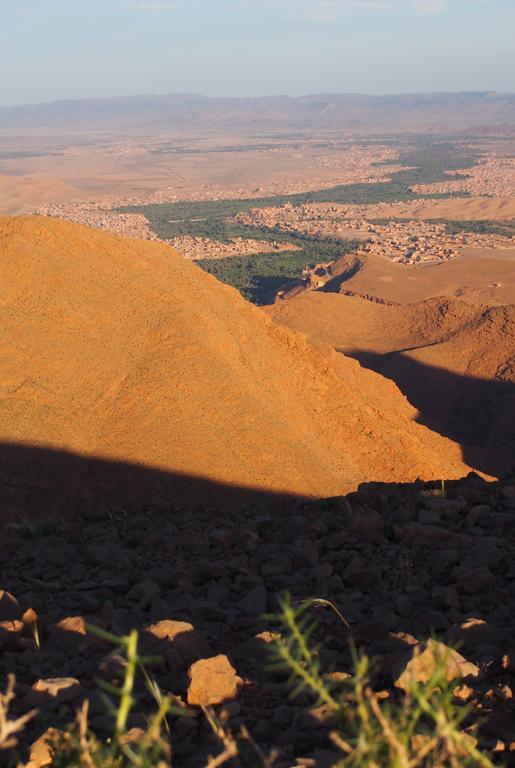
(56, 49)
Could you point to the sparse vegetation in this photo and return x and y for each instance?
(372, 728)
(10, 727)
(77, 746)
(425, 726)
(352, 707)
(146, 748)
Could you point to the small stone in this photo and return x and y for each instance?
(163, 577)
(221, 537)
(473, 580)
(53, 691)
(323, 571)
(503, 693)
(358, 573)
(212, 681)
(485, 553)
(112, 667)
(450, 507)
(478, 513)
(11, 628)
(442, 562)
(41, 751)
(143, 593)
(463, 692)
(9, 608)
(429, 517)
(254, 602)
(217, 570)
(69, 633)
(258, 648)
(473, 633)
(428, 621)
(336, 540)
(30, 616)
(96, 553)
(283, 715)
(368, 524)
(181, 635)
(403, 604)
(420, 665)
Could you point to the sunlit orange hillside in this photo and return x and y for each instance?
(120, 349)
(454, 358)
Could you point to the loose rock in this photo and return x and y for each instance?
(212, 681)
(421, 664)
(54, 691)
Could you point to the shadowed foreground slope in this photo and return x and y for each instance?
(121, 350)
(401, 563)
(40, 482)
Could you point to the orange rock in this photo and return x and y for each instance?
(421, 664)
(53, 691)
(463, 692)
(68, 633)
(181, 635)
(41, 751)
(212, 681)
(11, 627)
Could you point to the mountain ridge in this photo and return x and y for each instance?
(452, 357)
(120, 349)
(483, 109)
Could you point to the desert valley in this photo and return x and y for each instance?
(258, 385)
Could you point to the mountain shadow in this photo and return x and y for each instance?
(479, 414)
(38, 481)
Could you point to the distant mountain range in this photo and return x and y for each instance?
(476, 112)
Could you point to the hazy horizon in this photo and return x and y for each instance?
(329, 94)
(55, 50)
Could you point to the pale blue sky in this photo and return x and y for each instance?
(52, 49)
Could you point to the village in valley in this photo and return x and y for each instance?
(404, 241)
(397, 236)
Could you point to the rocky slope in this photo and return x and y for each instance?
(401, 563)
(121, 350)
